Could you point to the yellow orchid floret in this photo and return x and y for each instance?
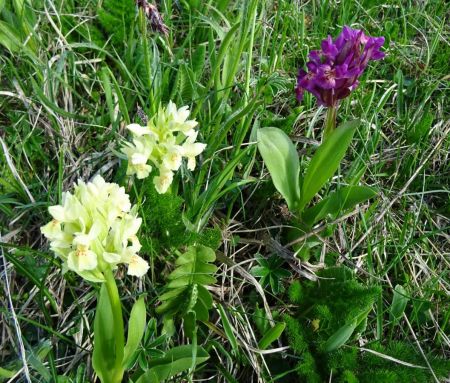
(95, 228)
(168, 137)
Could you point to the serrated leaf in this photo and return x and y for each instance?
(196, 253)
(205, 296)
(186, 288)
(190, 279)
(172, 293)
(201, 310)
(259, 271)
(326, 160)
(188, 269)
(281, 158)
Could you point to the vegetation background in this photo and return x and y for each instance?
(73, 73)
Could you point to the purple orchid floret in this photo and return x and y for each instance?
(334, 70)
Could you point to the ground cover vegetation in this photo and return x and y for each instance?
(227, 191)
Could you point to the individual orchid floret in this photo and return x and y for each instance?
(168, 137)
(192, 149)
(94, 229)
(163, 181)
(138, 155)
(334, 70)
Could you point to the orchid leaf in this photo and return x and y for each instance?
(136, 328)
(104, 358)
(341, 200)
(340, 337)
(281, 158)
(399, 302)
(176, 360)
(326, 160)
(271, 335)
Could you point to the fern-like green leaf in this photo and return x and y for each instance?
(116, 17)
(186, 290)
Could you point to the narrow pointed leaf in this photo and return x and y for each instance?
(227, 328)
(271, 335)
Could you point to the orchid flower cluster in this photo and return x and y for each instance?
(168, 137)
(334, 70)
(94, 229)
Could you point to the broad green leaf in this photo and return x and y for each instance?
(149, 377)
(204, 303)
(136, 328)
(4, 373)
(179, 352)
(176, 360)
(9, 38)
(341, 336)
(172, 293)
(281, 158)
(196, 253)
(339, 201)
(186, 269)
(326, 160)
(189, 279)
(205, 296)
(19, 7)
(190, 324)
(399, 302)
(271, 335)
(103, 357)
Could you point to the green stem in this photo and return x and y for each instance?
(330, 122)
(249, 59)
(116, 308)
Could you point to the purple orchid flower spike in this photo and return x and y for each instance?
(333, 71)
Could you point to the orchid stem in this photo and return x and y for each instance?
(330, 122)
(116, 308)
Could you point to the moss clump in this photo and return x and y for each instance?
(116, 18)
(327, 306)
(373, 368)
(324, 307)
(163, 226)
